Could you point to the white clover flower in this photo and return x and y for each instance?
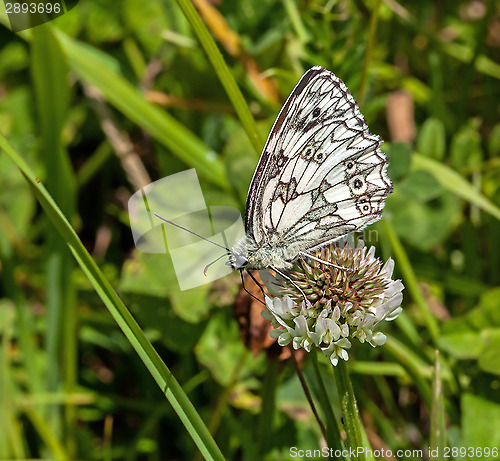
(341, 305)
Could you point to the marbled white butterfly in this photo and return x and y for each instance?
(321, 176)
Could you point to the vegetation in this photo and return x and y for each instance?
(104, 100)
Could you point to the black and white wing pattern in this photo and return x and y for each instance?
(321, 175)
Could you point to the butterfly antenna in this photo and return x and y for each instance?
(213, 262)
(191, 232)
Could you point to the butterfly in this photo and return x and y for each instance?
(320, 177)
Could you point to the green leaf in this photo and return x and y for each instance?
(480, 423)
(399, 159)
(144, 18)
(494, 141)
(466, 151)
(418, 89)
(50, 77)
(17, 206)
(13, 57)
(290, 398)
(16, 118)
(485, 315)
(461, 345)
(154, 275)
(454, 182)
(102, 24)
(423, 213)
(476, 335)
(410, 279)
(426, 224)
(220, 348)
(431, 141)
(489, 359)
(157, 315)
(414, 365)
(420, 186)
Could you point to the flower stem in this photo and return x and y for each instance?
(333, 438)
(307, 393)
(352, 421)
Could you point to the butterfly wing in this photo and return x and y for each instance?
(321, 175)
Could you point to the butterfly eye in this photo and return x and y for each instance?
(240, 261)
(316, 112)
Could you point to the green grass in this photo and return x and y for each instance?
(79, 383)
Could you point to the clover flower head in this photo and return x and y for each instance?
(340, 304)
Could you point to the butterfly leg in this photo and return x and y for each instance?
(292, 282)
(255, 280)
(305, 255)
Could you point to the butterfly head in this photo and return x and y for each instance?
(238, 256)
(238, 262)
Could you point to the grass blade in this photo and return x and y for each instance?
(49, 72)
(482, 63)
(416, 368)
(334, 439)
(454, 182)
(222, 71)
(157, 368)
(90, 66)
(11, 441)
(410, 279)
(264, 429)
(48, 437)
(368, 53)
(438, 415)
(356, 438)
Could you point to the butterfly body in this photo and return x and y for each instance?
(321, 176)
(247, 254)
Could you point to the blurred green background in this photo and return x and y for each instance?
(113, 95)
